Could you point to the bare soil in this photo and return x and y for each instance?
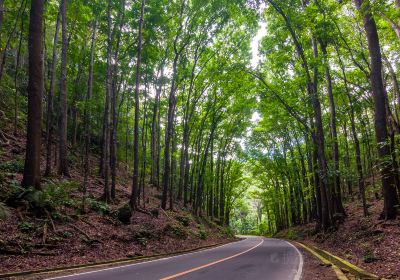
(313, 269)
(367, 242)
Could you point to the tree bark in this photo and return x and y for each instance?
(114, 109)
(86, 114)
(318, 137)
(170, 116)
(31, 175)
(49, 115)
(360, 176)
(381, 133)
(17, 65)
(135, 181)
(63, 160)
(336, 192)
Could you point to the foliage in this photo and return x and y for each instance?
(25, 227)
(175, 231)
(124, 214)
(184, 220)
(4, 211)
(12, 166)
(99, 206)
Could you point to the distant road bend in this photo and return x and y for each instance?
(253, 258)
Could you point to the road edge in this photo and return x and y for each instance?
(299, 273)
(338, 264)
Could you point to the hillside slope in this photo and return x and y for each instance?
(367, 242)
(59, 234)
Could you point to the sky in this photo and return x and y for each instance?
(255, 42)
(256, 55)
(257, 38)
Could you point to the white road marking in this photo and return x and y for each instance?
(299, 272)
(134, 264)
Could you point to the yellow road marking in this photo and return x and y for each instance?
(210, 264)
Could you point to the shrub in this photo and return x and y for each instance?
(13, 166)
(368, 253)
(99, 206)
(154, 212)
(229, 232)
(291, 234)
(25, 227)
(53, 195)
(183, 220)
(142, 235)
(202, 234)
(124, 214)
(4, 212)
(175, 231)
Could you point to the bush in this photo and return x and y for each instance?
(202, 234)
(4, 212)
(175, 231)
(143, 234)
(291, 234)
(25, 227)
(99, 206)
(13, 166)
(53, 195)
(124, 214)
(368, 253)
(154, 212)
(183, 220)
(229, 232)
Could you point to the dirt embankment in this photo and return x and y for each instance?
(367, 242)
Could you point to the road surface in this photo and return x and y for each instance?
(253, 258)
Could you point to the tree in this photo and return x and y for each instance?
(49, 115)
(381, 133)
(35, 91)
(135, 182)
(63, 160)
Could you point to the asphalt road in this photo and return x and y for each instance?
(250, 259)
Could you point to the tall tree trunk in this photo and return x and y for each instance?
(35, 90)
(114, 110)
(186, 131)
(170, 115)
(142, 177)
(360, 176)
(336, 192)
(318, 136)
(381, 133)
(17, 64)
(106, 121)
(173, 168)
(77, 96)
(135, 181)
(347, 159)
(86, 114)
(155, 127)
(50, 96)
(63, 160)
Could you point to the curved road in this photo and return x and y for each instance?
(250, 259)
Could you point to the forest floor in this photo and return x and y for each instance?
(367, 242)
(65, 236)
